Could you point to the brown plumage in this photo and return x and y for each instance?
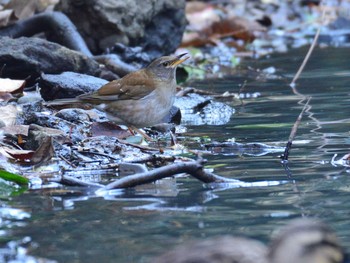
(139, 99)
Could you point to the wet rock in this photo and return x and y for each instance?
(30, 97)
(174, 116)
(110, 146)
(155, 25)
(73, 115)
(75, 132)
(102, 144)
(29, 57)
(37, 134)
(132, 54)
(199, 110)
(68, 85)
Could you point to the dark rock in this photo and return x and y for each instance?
(67, 85)
(26, 57)
(155, 25)
(77, 116)
(131, 54)
(174, 116)
(37, 134)
(75, 132)
(56, 26)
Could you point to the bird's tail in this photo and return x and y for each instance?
(62, 102)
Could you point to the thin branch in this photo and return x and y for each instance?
(72, 181)
(293, 132)
(306, 59)
(194, 168)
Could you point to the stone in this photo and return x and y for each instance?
(28, 57)
(68, 85)
(155, 25)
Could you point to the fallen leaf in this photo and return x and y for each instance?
(237, 27)
(44, 153)
(17, 154)
(8, 114)
(16, 130)
(108, 129)
(5, 97)
(207, 27)
(22, 8)
(11, 85)
(203, 18)
(5, 17)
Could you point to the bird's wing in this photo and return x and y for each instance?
(131, 87)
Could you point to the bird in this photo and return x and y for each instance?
(140, 99)
(301, 241)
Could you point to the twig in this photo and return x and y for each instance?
(100, 154)
(72, 181)
(67, 161)
(293, 132)
(306, 59)
(141, 147)
(184, 91)
(115, 64)
(194, 168)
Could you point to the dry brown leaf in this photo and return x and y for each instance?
(5, 17)
(195, 7)
(5, 97)
(22, 8)
(16, 130)
(236, 27)
(108, 129)
(8, 114)
(201, 20)
(195, 39)
(17, 154)
(44, 153)
(11, 85)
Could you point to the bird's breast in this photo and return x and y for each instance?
(147, 111)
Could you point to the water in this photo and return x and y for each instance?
(134, 225)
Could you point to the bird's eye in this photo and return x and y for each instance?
(166, 64)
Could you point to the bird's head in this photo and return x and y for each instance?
(165, 67)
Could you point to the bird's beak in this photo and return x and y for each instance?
(179, 60)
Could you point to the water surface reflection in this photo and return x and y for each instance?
(134, 225)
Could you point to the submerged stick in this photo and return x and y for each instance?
(293, 132)
(194, 168)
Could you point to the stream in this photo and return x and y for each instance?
(137, 224)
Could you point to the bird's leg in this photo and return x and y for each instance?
(144, 135)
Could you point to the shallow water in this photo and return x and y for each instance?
(134, 225)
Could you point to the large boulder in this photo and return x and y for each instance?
(155, 25)
(29, 57)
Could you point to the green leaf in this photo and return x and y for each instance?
(13, 178)
(7, 190)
